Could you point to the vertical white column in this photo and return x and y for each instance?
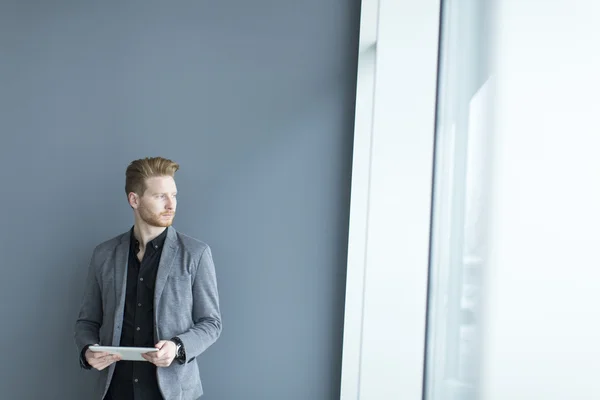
(384, 337)
(361, 171)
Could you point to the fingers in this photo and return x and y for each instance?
(101, 363)
(100, 359)
(162, 349)
(164, 356)
(97, 354)
(159, 361)
(151, 356)
(162, 362)
(157, 355)
(97, 359)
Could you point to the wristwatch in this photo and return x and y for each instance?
(180, 350)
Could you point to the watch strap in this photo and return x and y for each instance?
(180, 352)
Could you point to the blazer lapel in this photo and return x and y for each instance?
(121, 261)
(170, 249)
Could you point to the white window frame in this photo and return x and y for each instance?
(389, 237)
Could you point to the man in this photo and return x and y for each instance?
(149, 287)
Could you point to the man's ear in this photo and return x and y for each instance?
(133, 199)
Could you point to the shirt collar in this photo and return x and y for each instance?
(155, 243)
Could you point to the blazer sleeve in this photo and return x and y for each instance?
(206, 314)
(87, 326)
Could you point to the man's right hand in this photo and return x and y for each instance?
(100, 359)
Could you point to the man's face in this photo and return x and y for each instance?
(158, 204)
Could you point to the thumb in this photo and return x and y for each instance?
(160, 344)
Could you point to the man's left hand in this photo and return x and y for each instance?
(165, 354)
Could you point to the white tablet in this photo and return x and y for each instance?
(126, 353)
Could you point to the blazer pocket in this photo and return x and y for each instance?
(189, 376)
(180, 279)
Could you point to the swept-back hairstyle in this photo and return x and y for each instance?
(139, 170)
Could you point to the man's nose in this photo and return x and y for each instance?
(170, 203)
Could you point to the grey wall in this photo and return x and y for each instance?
(255, 100)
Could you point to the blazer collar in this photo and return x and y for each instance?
(169, 252)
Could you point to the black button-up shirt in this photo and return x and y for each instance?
(136, 380)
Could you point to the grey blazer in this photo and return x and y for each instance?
(186, 304)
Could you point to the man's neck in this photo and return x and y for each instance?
(144, 233)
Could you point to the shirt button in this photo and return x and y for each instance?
(137, 329)
(135, 380)
(141, 279)
(156, 246)
(139, 304)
